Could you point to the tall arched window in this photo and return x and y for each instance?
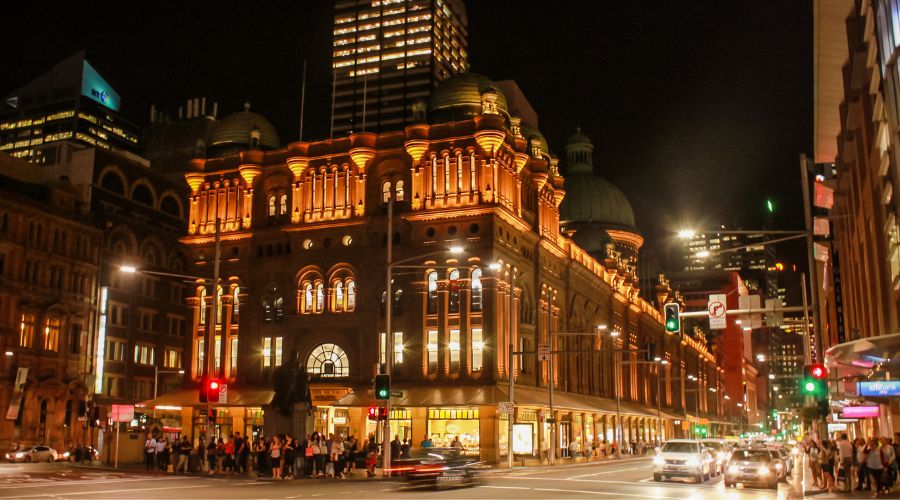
(236, 302)
(454, 290)
(203, 306)
(320, 297)
(385, 192)
(219, 305)
(476, 289)
(338, 301)
(268, 309)
(283, 204)
(328, 361)
(351, 294)
(432, 292)
(279, 308)
(307, 298)
(399, 190)
(272, 212)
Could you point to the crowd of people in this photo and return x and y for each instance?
(279, 457)
(861, 464)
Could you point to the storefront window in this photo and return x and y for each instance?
(445, 424)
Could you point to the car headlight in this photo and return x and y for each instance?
(693, 462)
(764, 471)
(66, 455)
(733, 469)
(778, 466)
(658, 460)
(20, 454)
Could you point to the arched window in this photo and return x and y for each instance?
(338, 301)
(432, 292)
(454, 290)
(320, 297)
(283, 204)
(170, 206)
(385, 192)
(476, 289)
(399, 190)
(268, 310)
(328, 361)
(219, 305)
(272, 212)
(279, 308)
(142, 195)
(203, 306)
(396, 310)
(351, 294)
(236, 302)
(113, 183)
(307, 298)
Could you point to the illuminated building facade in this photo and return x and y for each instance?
(389, 55)
(49, 251)
(302, 277)
(71, 102)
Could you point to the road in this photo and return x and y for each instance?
(625, 480)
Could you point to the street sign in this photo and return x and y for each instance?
(543, 353)
(774, 319)
(223, 394)
(122, 413)
(717, 309)
(506, 407)
(396, 394)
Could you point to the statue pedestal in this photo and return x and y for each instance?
(298, 424)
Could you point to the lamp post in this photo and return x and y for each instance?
(388, 313)
(616, 376)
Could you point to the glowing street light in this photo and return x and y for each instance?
(687, 233)
(128, 269)
(761, 357)
(456, 249)
(602, 328)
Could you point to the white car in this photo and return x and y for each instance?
(720, 451)
(683, 458)
(30, 454)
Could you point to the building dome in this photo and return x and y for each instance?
(579, 137)
(533, 134)
(459, 98)
(241, 131)
(593, 199)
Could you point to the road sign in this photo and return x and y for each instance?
(543, 353)
(223, 394)
(122, 413)
(717, 308)
(506, 407)
(774, 319)
(396, 394)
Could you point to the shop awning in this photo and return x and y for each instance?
(492, 395)
(864, 354)
(237, 396)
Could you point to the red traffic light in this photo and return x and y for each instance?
(213, 385)
(373, 413)
(818, 371)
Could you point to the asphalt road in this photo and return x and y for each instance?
(624, 480)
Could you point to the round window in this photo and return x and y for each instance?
(347, 240)
(307, 244)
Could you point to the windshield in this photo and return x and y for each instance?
(751, 455)
(680, 447)
(714, 445)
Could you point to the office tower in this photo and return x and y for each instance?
(71, 101)
(389, 55)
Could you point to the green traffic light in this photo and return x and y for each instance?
(809, 387)
(770, 206)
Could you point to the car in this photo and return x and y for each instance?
(683, 458)
(39, 453)
(88, 453)
(720, 450)
(439, 468)
(787, 459)
(752, 467)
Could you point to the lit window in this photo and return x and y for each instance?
(328, 361)
(26, 330)
(338, 305)
(272, 207)
(351, 295)
(200, 356)
(307, 298)
(385, 191)
(476, 289)
(399, 190)
(236, 302)
(320, 297)
(454, 290)
(382, 348)
(432, 351)
(398, 347)
(51, 334)
(432, 292)
(454, 350)
(267, 352)
(477, 349)
(203, 306)
(283, 204)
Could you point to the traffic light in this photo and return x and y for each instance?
(212, 417)
(382, 387)
(382, 413)
(373, 413)
(673, 317)
(814, 381)
(212, 390)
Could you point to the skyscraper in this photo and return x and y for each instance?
(71, 101)
(388, 55)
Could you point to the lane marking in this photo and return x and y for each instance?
(505, 487)
(605, 472)
(67, 494)
(99, 481)
(589, 492)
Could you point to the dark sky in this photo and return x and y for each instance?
(698, 109)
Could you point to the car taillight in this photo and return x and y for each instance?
(432, 469)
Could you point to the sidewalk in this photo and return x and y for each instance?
(811, 492)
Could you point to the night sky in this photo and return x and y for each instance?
(698, 109)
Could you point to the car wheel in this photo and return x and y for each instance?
(657, 477)
(27, 459)
(50, 460)
(729, 485)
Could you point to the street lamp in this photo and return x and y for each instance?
(761, 357)
(686, 234)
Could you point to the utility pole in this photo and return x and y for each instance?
(511, 367)
(810, 257)
(389, 335)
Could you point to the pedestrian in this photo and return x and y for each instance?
(220, 456)
(275, 457)
(845, 455)
(813, 453)
(211, 455)
(150, 452)
(427, 442)
(395, 448)
(862, 472)
(162, 454)
(301, 457)
(288, 460)
(337, 457)
(404, 448)
(888, 459)
(371, 456)
(350, 450)
(875, 466)
(242, 452)
(184, 454)
(826, 462)
(201, 448)
(320, 454)
(311, 446)
(262, 457)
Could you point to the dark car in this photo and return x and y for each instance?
(752, 467)
(438, 467)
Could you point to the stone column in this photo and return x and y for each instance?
(489, 434)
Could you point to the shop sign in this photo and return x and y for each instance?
(340, 420)
(878, 388)
(523, 439)
(122, 413)
(837, 427)
(327, 395)
(861, 412)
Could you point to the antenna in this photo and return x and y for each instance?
(302, 100)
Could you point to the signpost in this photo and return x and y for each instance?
(223, 394)
(717, 309)
(119, 414)
(543, 353)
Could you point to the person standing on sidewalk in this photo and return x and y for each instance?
(862, 471)
(184, 454)
(888, 459)
(150, 452)
(875, 466)
(845, 455)
(813, 453)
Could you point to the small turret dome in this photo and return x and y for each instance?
(459, 98)
(241, 131)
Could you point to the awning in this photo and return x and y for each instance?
(492, 395)
(864, 354)
(237, 396)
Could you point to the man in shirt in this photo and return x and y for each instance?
(240, 453)
(426, 443)
(150, 452)
(845, 455)
(184, 454)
